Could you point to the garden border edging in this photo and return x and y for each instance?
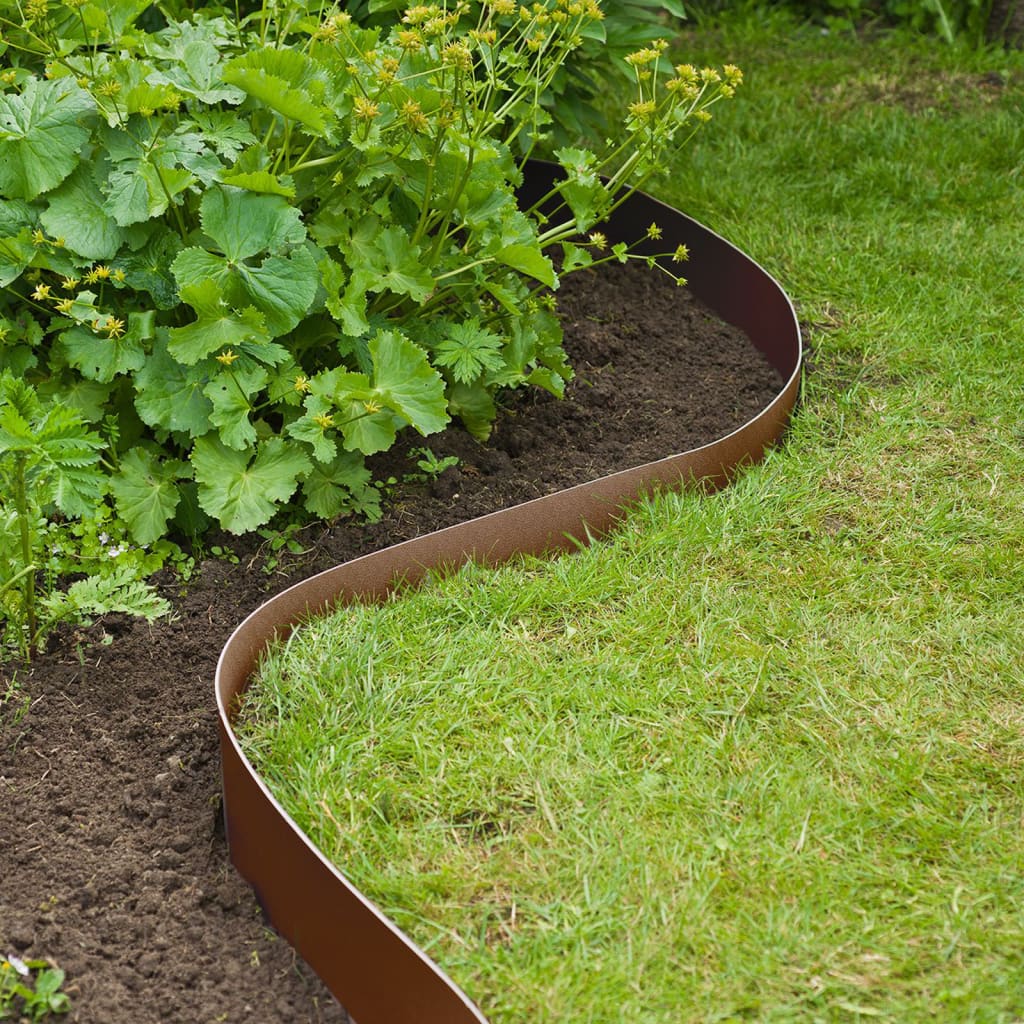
(374, 969)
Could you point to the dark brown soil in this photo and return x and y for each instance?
(113, 863)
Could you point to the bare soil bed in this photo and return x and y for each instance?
(113, 861)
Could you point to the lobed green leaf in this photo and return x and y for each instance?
(42, 133)
(241, 491)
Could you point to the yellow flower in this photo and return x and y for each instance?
(599, 240)
(458, 55)
(654, 231)
(414, 117)
(642, 57)
(38, 237)
(371, 406)
(42, 292)
(113, 327)
(366, 109)
(418, 14)
(324, 420)
(643, 111)
(118, 275)
(69, 284)
(681, 253)
(227, 357)
(100, 273)
(410, 39)
(301, 384)
(65, 306)
(328, 30)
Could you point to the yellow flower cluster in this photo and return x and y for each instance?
(112, 326)
(413, 116)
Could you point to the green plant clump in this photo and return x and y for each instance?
(50, 462)
(248, 247)
(30, 989)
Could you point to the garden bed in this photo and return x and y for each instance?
(115, 863)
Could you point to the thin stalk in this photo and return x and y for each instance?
(29, 584)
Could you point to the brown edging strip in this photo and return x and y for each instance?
(374, 969)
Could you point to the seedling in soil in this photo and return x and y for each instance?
(31, 989)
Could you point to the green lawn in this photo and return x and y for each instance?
(761, 755)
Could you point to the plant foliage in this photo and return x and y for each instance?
(241, 249)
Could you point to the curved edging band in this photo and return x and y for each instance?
(379, 974)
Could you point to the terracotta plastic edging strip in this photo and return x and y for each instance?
(374, 969)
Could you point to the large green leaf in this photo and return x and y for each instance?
(405, 382)
(95, 23)
(529, 260)
(16, 253)
(245, 223)
(195, 268)
(170, 394)
(198, 73)
(137, 191)
(89, 398)
(341, 487)
(146, 492)
(216, 326)
(75, 213)
(244, 492)
(283, 80)
(41, 135)
(404, 273)
(101, 358)
(233, 393)
(367, 431)
(282, 288)
(149, 269)
(260, 181)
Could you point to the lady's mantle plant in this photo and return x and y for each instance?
(247, 246)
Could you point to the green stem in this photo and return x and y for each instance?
(323, 161)
(29, 586)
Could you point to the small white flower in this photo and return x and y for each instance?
(18, 965)
(103, 538)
